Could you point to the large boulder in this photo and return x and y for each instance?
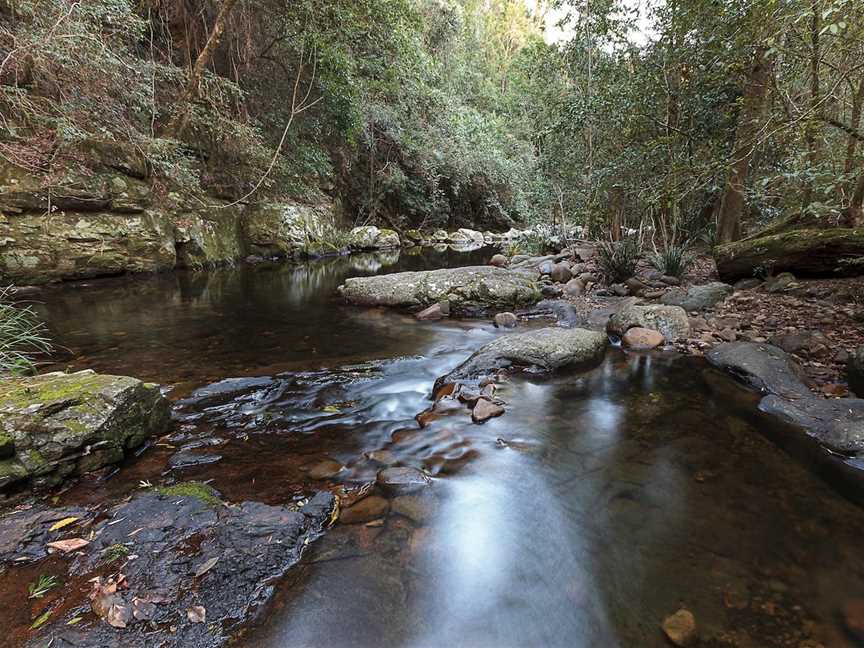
(465, 236)
(837, 424)
(548, 349)
(671, 321)
(62, 424)
(815, 252)
(698, 297)
(472, 288)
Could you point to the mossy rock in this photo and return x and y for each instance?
(200, 491)
(69, 424)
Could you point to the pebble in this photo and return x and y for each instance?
(484, 410)
(642, 338)
(680, 627)
(506, 320)
(325, 469)
(369, 508)
(498, 260)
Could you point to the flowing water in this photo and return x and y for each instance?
(599, 504)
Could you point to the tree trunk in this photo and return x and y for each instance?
(180, 119)
(733, 201)
(811, 136)
(807, 252)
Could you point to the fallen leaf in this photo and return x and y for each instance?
(206, 566)
(40, 621)
(197, 614)
(71, 544)
(142, 609)
(75, 621)
(63, 523)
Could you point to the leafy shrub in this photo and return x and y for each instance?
(618, 260)
(22, 336)
(673, 260)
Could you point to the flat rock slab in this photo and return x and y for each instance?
(838, 424)
(548, 349)
(697, 298)
(188, 554)
(59, 424)
(467, 289)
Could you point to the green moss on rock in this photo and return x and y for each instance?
(198, 490)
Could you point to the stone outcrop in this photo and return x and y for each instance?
(838, 424)
(671, 321)
(201, 568)
(548, 349)
(467, 289)
(56, 425)
(369, 237)
(112, 219)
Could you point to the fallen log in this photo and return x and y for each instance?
(834, 252)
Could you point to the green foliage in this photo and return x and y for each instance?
(673, 260)
(22, 336)
(41, 586)
(114, 552)
(618, 260)
(198, 490)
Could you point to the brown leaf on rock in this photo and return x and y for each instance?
(71, 544)
(197, 614)
(143, 609)
(206, 566)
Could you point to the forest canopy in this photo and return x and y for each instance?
(696, 117)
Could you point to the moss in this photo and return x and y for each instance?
(7, 446)
(198, 490)
(47, 389)
(11, 471)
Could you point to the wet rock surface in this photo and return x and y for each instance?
(548, 349)
(57, 424)
(467, 289)
(855, 371)
(838, 424)
(174, 560)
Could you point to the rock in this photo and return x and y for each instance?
(467, 236)
(402, 476)
(561, 273)
(498, 260)
(619, 290)
(779, 283)
(190, 552)
(546, 267)
(838, 424)
(417, 508)
(680, 628)
(190, 458)
(853, 618)
(642, 339)
(635, 286)
(763, 367)
(368, 508)
(748, 283)
(70, 424)
(467, 289)
(588, 277)
(671, 321)
(506, 320)
(440, 236)
(697, 298)
(325, 469)
(485, 409)
(855, 371)
(809, 343)
(670, 280)
(551, 291)
(727, 335)
(574, 288)
(548, 349)
(369, 237)
(435, 311)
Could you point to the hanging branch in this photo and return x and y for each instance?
(296, 109)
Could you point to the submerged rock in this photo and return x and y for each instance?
(506, 320)
(467, 289)
(69, 424)
(837, 424)
(485, 409)
(548, 349)
(190, 552)
(680, 628)
(671, 321)
(698, 297)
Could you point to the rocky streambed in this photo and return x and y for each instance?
(630, 495)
